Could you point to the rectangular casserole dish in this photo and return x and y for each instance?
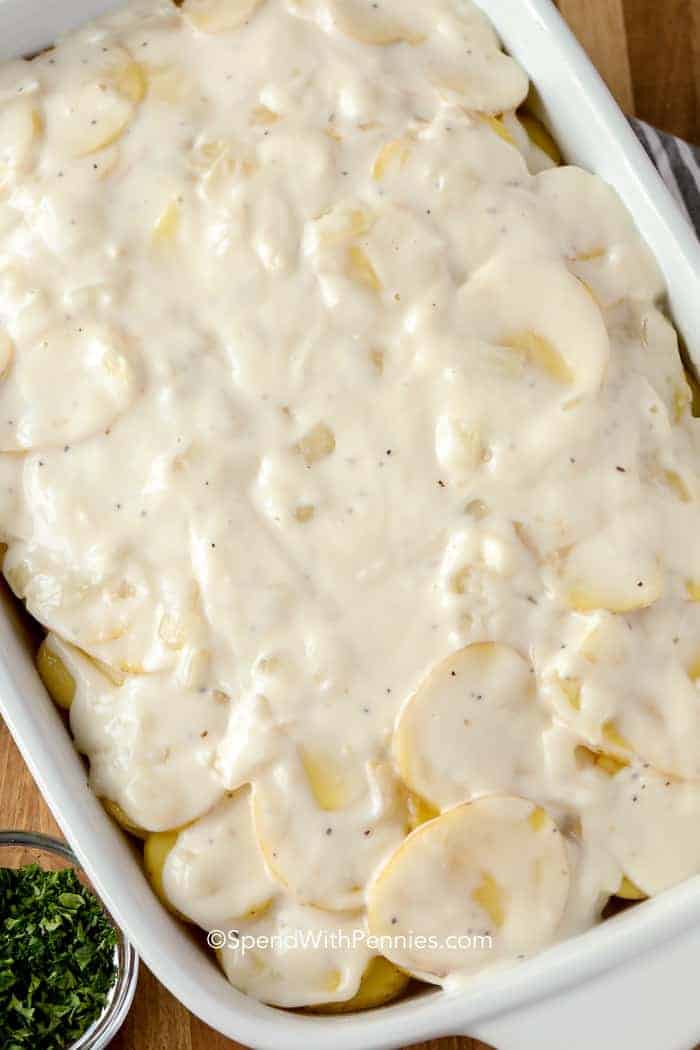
(630, 982)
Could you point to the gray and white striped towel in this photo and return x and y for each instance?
(678, 163)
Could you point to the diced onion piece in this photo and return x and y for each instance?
(263, 116)
(167, 224)
(459, 446)
(608, 764)
(304, 513)
(537, 350)
(360, 269)
(317, 444)
(392, 156)
(692, 589)
(6, 353)
(20, 126)
(344, 222)
(571, 688)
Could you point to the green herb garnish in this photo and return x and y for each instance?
(57, 961)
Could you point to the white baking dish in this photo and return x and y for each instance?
(629, 983)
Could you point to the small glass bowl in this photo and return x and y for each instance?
(18, 848)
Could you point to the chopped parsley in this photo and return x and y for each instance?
(57, 958)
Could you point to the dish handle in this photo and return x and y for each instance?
(652, 1003)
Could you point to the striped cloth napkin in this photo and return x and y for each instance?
(678, 165)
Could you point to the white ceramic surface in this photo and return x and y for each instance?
(629, 984)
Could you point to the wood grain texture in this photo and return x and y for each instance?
(648, 51)
(663, 40)
(600, 26)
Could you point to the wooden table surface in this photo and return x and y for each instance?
(649, 53)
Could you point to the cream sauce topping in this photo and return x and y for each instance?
(315, 373)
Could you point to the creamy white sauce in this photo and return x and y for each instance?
(315, 373)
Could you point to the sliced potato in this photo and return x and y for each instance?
(59, 682)
(98, 102)
(496, 124)
(76, 379)
(218, 16)
(633, 700)
(381, 983)
(444, 739)
(300, 956)
(539, 136)
(117, 813)
(95, 119)
(614, 569)
(333, 785)
(496, 868)
(540, 311)
(112, 619)
(485, 82)
(214, 872)
(156, 849)
(298, 837)
(158, 771)
(597, 235)
(375, 23)
(628, 891)
(648, 822)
